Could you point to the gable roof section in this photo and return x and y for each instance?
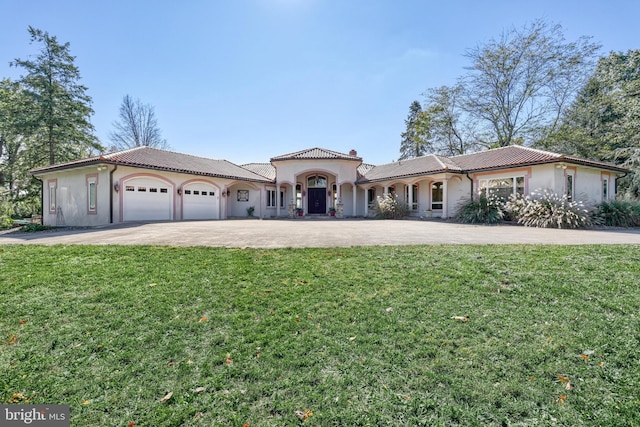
(316, 154)
(153, 158)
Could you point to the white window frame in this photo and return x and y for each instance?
(484, 183)
(272, 197)
(53, 202)
(92, 193)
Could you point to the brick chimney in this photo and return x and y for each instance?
(353, 153)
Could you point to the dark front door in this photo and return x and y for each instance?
(317, 201)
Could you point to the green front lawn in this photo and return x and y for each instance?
(347, 337)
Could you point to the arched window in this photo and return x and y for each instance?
(317, 182)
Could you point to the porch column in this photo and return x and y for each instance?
(410, 193)
(445, 211)
(338, 193)
(278, 200)
(366, 203)
(354, 198)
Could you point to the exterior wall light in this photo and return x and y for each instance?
(116, 187)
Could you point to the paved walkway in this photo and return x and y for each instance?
(316, 232)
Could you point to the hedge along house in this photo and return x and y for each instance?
(147, 184)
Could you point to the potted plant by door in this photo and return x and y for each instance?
(299, 211)
(250, 211)
(332, 212)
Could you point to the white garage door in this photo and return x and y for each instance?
(200, 201)
(147, 199)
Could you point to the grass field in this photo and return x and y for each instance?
(382, 336)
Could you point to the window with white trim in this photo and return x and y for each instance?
(92, 195)
(299, 196)
(271, 199)
(52, 196)
(437, 195)
(414, 196)
(502, 187)
(569, 186)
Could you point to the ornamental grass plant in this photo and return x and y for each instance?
(545, 209)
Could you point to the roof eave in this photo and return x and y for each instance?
(411, 175)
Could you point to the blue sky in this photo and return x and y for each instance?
(246, 80)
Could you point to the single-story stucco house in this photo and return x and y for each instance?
(143, 184)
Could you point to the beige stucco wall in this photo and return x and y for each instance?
(72, 197)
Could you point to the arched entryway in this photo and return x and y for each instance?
(317, 194)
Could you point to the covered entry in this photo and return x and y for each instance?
(317, 195)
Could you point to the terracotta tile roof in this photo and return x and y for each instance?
(425, 165)
(266, 170)
(499, 158)
(153, 158)
(517, 155)
(316, 154)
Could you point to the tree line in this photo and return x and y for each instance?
(531, 86)
(45, 118)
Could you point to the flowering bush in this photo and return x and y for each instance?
(389, 207)
(548, 210)
(482, 210)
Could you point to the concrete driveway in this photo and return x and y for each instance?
(316, 232)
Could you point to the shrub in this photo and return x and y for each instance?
(389, 207)
(6, 211)
(619, 213)
(548, 210)
(31, 228)
(482, 210)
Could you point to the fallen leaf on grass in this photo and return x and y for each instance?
(228, 360)
(561, 399)
(131, 424)
(464, 318)
(23, 321)
(198, 390)
(389, 309)
(585, 357)
(303, 415)
(166, 398)
(563, 379)
(203, 319)
(86, 402)
(151, 285)
(18, 397)
(13, 339)
(352, 338)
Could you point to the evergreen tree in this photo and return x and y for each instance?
(414, 140)
(61, 109)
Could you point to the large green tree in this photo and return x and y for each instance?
(61, 109)
(414, 140)
(604, 120)
(451, 131)
(519, 85)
